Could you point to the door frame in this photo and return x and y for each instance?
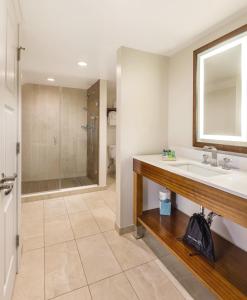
(18, 183)
(11, 18)
(18, 15)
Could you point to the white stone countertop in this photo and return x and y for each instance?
(231, 181)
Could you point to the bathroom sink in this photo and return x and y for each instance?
(199, 170)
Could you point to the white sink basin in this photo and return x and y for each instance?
(199, 170)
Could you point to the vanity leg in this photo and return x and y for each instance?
(138, 203)
(139, 232)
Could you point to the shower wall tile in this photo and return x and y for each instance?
(40, 155)
(73, 136)
(93, 134)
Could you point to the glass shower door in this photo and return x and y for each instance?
(73, 138)
(60, 130)
(93, 133)
(40, 146)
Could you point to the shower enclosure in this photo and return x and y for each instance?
(60, 137)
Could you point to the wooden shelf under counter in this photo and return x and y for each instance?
(227, 277)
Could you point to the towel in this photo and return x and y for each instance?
(112, 118)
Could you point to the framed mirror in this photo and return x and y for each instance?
(220, 93)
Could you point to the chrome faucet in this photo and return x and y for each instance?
(213, 150)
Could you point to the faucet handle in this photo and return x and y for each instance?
(205, 159)
(226, 163)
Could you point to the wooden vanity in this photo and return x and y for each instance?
(227, 277)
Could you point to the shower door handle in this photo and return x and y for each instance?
(8, 178)
(55, 140)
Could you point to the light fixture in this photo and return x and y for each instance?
(51, 79)
(82, 63)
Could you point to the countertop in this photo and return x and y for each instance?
(231, 181)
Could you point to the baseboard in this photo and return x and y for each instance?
(124, 230)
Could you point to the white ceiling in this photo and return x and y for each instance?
(59, 33)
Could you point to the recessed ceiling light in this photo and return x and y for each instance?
(50, 79)
(82, 64)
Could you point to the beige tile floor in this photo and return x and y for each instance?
(72, 252)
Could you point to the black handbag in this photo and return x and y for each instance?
(198, 235)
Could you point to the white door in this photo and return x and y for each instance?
(8, 139)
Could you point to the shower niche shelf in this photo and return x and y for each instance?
(109, 109)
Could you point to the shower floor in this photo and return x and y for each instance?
(29, 187)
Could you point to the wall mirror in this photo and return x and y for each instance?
(220, 93)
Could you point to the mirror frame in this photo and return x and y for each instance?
(196, 143)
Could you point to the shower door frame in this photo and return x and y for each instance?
(102, 154)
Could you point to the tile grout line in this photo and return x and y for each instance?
(97, 222)
(113, 230)
(97, 281)
(174, 280)
(76, 244)
(152, 259)
(48, 246)
(131, 286)
(90, 292)
(123, 271)
(29, 250)
(56, 216)
(66, 293)
(168, 276)
(67, 214)
(120, 266)
(109, 205)
(100, 233)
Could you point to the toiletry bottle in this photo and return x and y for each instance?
(165, 203)
(164, 154)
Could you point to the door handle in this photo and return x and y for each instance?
(7, 187)
(8, 178)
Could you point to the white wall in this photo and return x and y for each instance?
(180, 124)
(141, 118)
